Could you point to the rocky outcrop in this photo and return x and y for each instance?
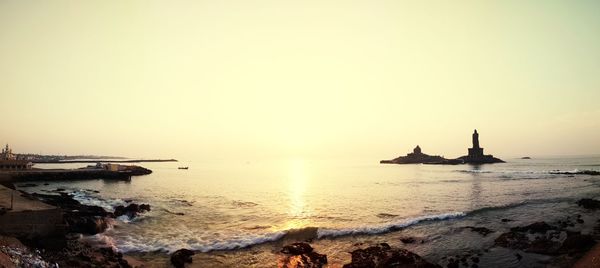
(297, 248)
(383, 255)
(131, 210)
(536, 227)
(589, 203)
(182, 256)
(301, 254)
(480, 230)
(416, 157)
(86, 224)
(80, 218)
(546, 239)
(68, 251)
(87, 219)
(577, 242)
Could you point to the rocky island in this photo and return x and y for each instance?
(475, 156)
(416, 157)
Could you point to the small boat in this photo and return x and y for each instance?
(182, 167)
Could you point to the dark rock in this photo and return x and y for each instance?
(519, 257)
(182, 256)
(385, 256)
(311, 259)
(131, 210)
(79, 218)
(297, 248)
(506, 220)
(28, 185)
(407, 240)
(73, 253)
(86, 224)
(577, 243)
(302, 256)
(589, 203)
(515, 240)
(481, 230)
(543, 246)
(453, 263)
(537, 227)
(416, 157)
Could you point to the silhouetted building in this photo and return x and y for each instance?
(8, 161)
(7, 153)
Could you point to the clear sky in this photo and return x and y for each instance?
(247, 79)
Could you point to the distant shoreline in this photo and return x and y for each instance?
(102, 160)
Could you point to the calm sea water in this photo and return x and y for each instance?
(227, 206)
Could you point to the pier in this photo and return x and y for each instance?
(107, 171)
(22, 216)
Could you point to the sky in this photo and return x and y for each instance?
(250, 79)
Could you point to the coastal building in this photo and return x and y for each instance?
(7, 154)
(8, 161)
(476, 155)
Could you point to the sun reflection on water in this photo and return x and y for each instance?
(298, 210)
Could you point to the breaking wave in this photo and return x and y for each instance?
(388, 227)
(541, 172)
(170, 244)
(132, 244)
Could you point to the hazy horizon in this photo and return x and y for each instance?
(245, 80)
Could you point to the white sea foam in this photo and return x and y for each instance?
(127, 243)
(93, 200)
(383, 228)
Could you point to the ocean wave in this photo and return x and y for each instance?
(139, 244)
(169, 245)
(576, 172)
(93, 199)
(387, 227)
(472, 171)
(542, 172)
(129, 243)
(520, 203)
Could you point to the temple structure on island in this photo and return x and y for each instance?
(476, 155)
(416, 157)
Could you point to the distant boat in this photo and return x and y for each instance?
(525, 157)
(182, 167)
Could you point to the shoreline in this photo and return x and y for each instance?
(562, 241)
(103, 161)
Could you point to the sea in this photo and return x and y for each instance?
(240, 213)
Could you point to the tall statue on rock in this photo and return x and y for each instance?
(475, 139)
(476, 155)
